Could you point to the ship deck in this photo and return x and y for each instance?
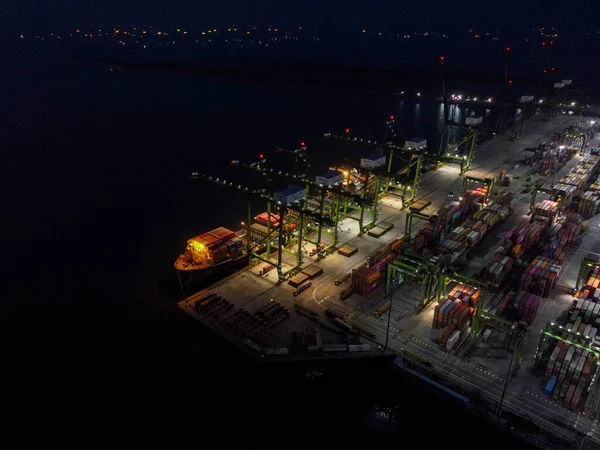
(483, 373)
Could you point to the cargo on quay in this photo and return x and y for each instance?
(462, 285)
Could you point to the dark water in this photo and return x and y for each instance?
(96, 205)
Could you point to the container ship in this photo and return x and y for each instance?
(210, 253)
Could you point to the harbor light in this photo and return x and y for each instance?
(592, 122)
(418, 94)
(573, 103)
(490, 100)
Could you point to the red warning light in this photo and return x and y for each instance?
(543, 43)
(545, 71)
(508, 49)
(509, 81)
(551, 42)
(261, 156)
(552, 68)
(347, 130)
(391, 117)
(302, 144)
(441, 58)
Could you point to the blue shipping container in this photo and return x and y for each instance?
(550, 385)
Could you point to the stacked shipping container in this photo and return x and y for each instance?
(569, 369)
(589, 203)
(569, 235)
(546, 209)
(522, 237)
(497, 270)
(424, 238)
(454, 314)
(461, 239)
(540, 276)
(367, 281)
(522, 304)
(216, 245)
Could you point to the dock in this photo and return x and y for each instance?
(323, 321)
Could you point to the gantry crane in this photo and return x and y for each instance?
(324, 199)
(418, 268)
(261, 247)
(587, 264)
(554, 195)
(363, 183)
(464, 134)
(392, 181)
(488, 182)
(560, 333)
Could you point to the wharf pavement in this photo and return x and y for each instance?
(409, 331)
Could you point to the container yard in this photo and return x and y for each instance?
(484, 286)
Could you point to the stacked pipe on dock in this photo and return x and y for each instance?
(497, 270)
(522, 237)
(540, 276)
(522, 304)
(545, 210)
(568, 374)
(367, 281)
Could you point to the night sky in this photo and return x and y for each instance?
(508, 15)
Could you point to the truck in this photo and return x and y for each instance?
(333, 315)
(346, 293)
(381, 311)
(312, 315)
(343, 278)
(302, 288)
(343, 325)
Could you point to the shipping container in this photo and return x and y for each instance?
(304, 286)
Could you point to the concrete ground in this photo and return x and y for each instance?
(484, 372)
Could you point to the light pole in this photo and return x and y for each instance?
(391, 295)
(512, 356)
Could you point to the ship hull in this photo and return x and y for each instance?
(191, 281)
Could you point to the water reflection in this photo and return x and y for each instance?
(440, 119)
(417, 115)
